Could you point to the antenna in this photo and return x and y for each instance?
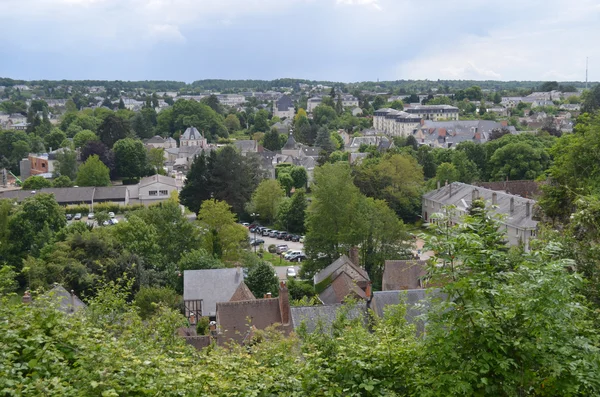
(586, 73)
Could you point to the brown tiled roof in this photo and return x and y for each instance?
(342, 287)
(236, 319)
(403, 274)
(242, 293)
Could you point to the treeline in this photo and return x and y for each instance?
(155, 85)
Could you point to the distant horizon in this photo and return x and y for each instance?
(581, 82)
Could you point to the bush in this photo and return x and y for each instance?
(202, 326)
(272, 248)
(148, 298)
(132, 181)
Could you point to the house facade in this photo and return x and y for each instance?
(284, 107)
(433, 112)
(395, 122)
(517, 212)
(156, 188)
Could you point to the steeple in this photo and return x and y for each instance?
(291, 142)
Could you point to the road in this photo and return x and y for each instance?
(282, 271)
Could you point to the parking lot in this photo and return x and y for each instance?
(271, 240)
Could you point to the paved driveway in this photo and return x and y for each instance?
(271, 240)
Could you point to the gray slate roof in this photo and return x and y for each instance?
(290, 144)
(191, 133)
(324, 316)
(462, 194)
(73, 195)
(247, 145)
(338, 263)
(158, 179)
(212, 286)
(66, 302)
(284, 103)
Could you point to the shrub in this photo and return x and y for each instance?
(148, 298)
(272, 248)
(202, 326)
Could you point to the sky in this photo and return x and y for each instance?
(334, 40)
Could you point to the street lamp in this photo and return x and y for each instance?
(254, 216)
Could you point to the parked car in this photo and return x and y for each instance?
(295, 238)
(246, 224)
(301, 239)
(273, 233)
(106, 222)
(111, 215)
(281, 235)
(291, 272)
(257, 242)
(115, 221)
(91, 215)
(288, 237)
(297, 257)
(77, 216)
(266, 232)
(290, 254)
(281, 248)
(69, 217)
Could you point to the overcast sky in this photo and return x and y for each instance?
(339, 40)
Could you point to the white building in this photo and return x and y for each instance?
(518, 223)
(433, 112)
(231, 99)
(192, 137)
(395, 122)
(284, 107)
(312, 103)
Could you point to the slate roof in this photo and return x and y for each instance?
(73, 195)
(311, 317)
(290, 144)
(158, 179)
(155, 139)
(415, 301)
(342, 287)
(403, 275)
(212, 286)
(462, 197)
(242, 293)
(284, 103)
(456, 131)
(368, 140)
(191, 133)
(247, 145)
(330, 271)
(66, 302)
(311, 151)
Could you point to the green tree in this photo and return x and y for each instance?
(292, 213)
(300, 176)
(232, 122)
(542, 344)
(286, 181)
(156, 158)
(93, 173)
(324, 140)
(196, 188)
(261, 121)
(223, 237)
(446, 172)
(379, 102)
(121, 103)
(266, 199)
(339, 107)
(271, 140)
(36, 182)
(62, 181)
(397, 104)
(112, 129)
(324, 115)
(130, 158)
(54, 139)
(83, 137)
(66, 163)
(150, 299)
(591, 100)
(517, 161)
(497, 98)
(262, 279)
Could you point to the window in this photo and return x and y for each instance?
(164, 192)
(152, 192)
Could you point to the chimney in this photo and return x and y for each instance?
(368, 291)
(450, 190)
(474, 195)
(26, 298)
(494, 198)
(512, 205)
(284, 303)
(72, 301)
(268, 295)
(527, 209)
(438, 184)
(354, 255)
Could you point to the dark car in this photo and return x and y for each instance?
(288, 237)
(257, 242)
(295, 238)
(69, 217)
(281, 235)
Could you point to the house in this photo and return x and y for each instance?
(66, 302)
(312, 103)
(511, 101)
(246, 146)
(192, 137)
(432, 112)
(542, 102)
(152, 189)
(237, 320)
(283, 127)
(321, 318)
(291, 148)
(378, 141)
(349, 101)
(403, 275)
(284, 107)
(357, 112)
(158, 141)
(231, 99)
(450, 133)
(211, 286)
(518, 223)
(341, 279)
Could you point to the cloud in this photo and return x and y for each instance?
(166, 32)
(370, 3)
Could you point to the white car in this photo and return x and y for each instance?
(111, 215)
(91, 215)
(290, 254)
(291, 272)
(114, 221)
